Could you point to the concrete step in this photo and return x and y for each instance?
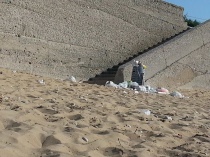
(108, 72)
(102, 78)
(111, 72)
(98, 82)
(106, 75)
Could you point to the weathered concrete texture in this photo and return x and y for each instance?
(83, 37)
(44, 59)
(183, 61)
(192, 71)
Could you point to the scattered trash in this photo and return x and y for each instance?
(145, 111)
(132, 84)
(169, 118)
(123, 84)
(146, 89)
(176, 94)
(111, 84)
(41, 81)
(73, 79)
(162, 90)
(85, 139)
(141, 88)
(125, 92)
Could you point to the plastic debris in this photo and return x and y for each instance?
(111, 84)
(41, 81)
(162, 90)
(145, 111)
(133, 84)
(141, 88)
(73, 79)
(146, 89)
(169, 118)
(176, 94)
(123, 84)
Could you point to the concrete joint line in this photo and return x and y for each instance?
(148, 14)
(48, 41)
(171, 63)
(164, 57)
(202, 37)
(194, 70)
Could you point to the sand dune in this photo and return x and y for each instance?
(59, 118)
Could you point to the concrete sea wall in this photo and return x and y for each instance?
(81, 38)
(181, 62)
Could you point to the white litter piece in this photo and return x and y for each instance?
(169, 118)
(133, 84)
(111, 84)
(176, 94)
(73, 79)
(148, 88)
(141, 89)
(125, 92)
(41, 81)
(123, 84)
(145, 111)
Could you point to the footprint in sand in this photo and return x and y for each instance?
(104, 132)
(7, 139)
(113, 151)
(76, 117)
(50, 153)
(17, 127)
(47, 110)
(50, 140)
(52, 118)
(69, 129)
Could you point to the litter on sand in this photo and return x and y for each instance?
(140, 88)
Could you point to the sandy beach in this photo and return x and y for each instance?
(45, 117)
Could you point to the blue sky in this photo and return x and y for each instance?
(194, 9)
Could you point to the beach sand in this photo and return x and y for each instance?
(45, 117)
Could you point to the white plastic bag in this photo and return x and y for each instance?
(145, 111)
(176, 94)
(141, 88)
(41, 81)
(111, 84)
(73, 79)
(123, 84)
(134, 84)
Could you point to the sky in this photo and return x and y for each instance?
(194, 9)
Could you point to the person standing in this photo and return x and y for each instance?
(141, 71)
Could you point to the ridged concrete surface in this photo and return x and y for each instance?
(81, 38)
(180, 62)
